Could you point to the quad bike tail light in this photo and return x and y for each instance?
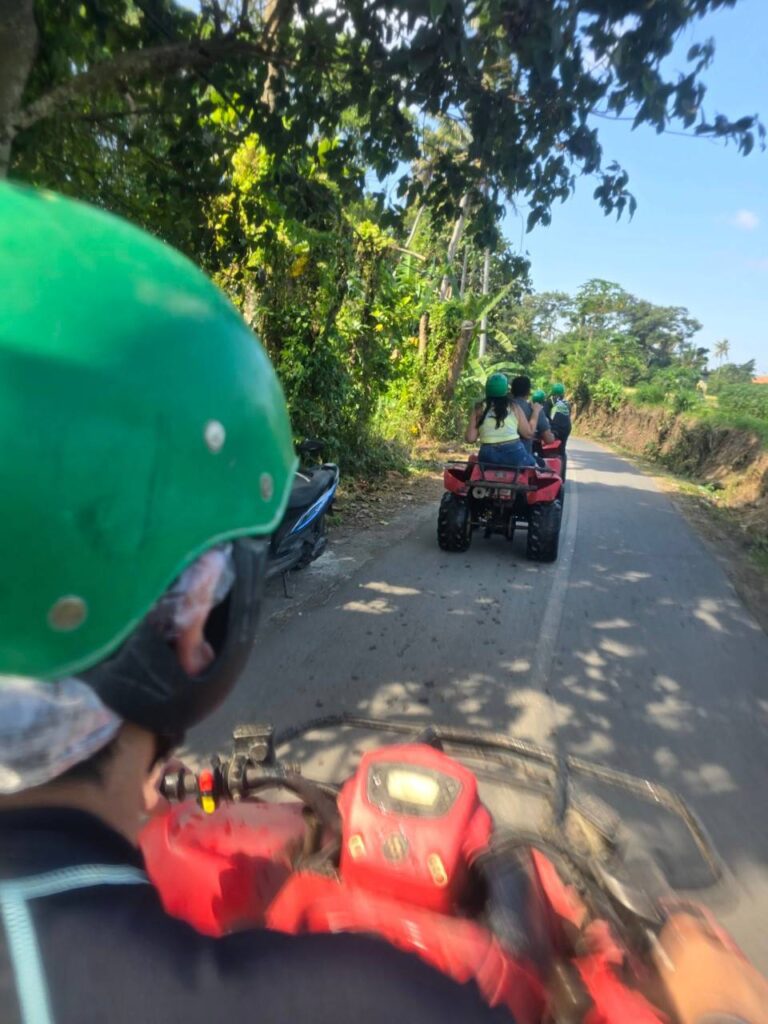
(412, 823)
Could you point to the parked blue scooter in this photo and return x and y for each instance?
(302, 537)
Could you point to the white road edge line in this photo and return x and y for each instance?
(546, 642)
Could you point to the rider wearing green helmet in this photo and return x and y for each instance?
(497, 386)
(147, 457)
(499, 434)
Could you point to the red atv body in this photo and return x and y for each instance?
(500, 499)
(405, 850)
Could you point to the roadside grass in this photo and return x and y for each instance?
(731, 418)
(710, 410)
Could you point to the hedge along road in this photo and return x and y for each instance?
(633, 649)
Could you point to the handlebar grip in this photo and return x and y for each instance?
(179, 785)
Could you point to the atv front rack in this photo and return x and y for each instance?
(566, 769)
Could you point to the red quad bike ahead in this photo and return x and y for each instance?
(494, 860)
(500, 499)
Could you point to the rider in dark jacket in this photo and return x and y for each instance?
(147, 458)
(559, 412)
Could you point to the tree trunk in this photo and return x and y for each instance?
(414, 227)
(484, 322)
(453, 245)
(276, 13)
(423, 335)
(463, 284)
(18, 44)
(459, 359)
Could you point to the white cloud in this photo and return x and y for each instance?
(744, 219)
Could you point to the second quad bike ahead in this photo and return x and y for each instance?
(501, 499)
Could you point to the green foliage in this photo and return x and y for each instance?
(737, 420)
(435, 408)
(744, 399)
(256, 149)
(608, 393)
(652, 392)
(604, 332)
(684, 400)
(317, 280)
(521, 79)
(728, 374)
(675, 387)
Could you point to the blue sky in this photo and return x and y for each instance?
(699, 237)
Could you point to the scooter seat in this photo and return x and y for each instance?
(308, 486)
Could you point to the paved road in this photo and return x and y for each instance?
(633, 649)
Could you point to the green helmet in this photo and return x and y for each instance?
(558, 390)
(140, 423)
(497, 386)
(539, 396)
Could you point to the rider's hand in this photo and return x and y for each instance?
(154, 801)
(705, 975)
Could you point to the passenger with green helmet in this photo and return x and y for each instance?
(147, 456)
(533, 409)
(558, 410)
(499, 425)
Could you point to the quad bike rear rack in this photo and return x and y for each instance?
(489, 468)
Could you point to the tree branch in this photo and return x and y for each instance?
(153, 61)
(99, 116)
(18, 44)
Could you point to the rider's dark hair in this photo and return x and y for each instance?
(500, 408)
(520, 387)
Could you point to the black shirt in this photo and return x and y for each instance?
(105, 951)
(542, 422)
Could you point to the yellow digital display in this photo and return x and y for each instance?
(412, 788)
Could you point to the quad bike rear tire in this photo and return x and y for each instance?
(544, 532)
(454, 531)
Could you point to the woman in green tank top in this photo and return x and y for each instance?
(498, 424)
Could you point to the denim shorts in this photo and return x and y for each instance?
(512, 453)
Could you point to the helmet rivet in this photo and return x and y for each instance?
(67, 613)
(267, 486)
(215, 435)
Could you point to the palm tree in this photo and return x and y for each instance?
(722, 348)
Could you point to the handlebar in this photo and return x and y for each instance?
(225, 780)
(251, 766)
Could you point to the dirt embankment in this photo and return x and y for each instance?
(731, 464)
